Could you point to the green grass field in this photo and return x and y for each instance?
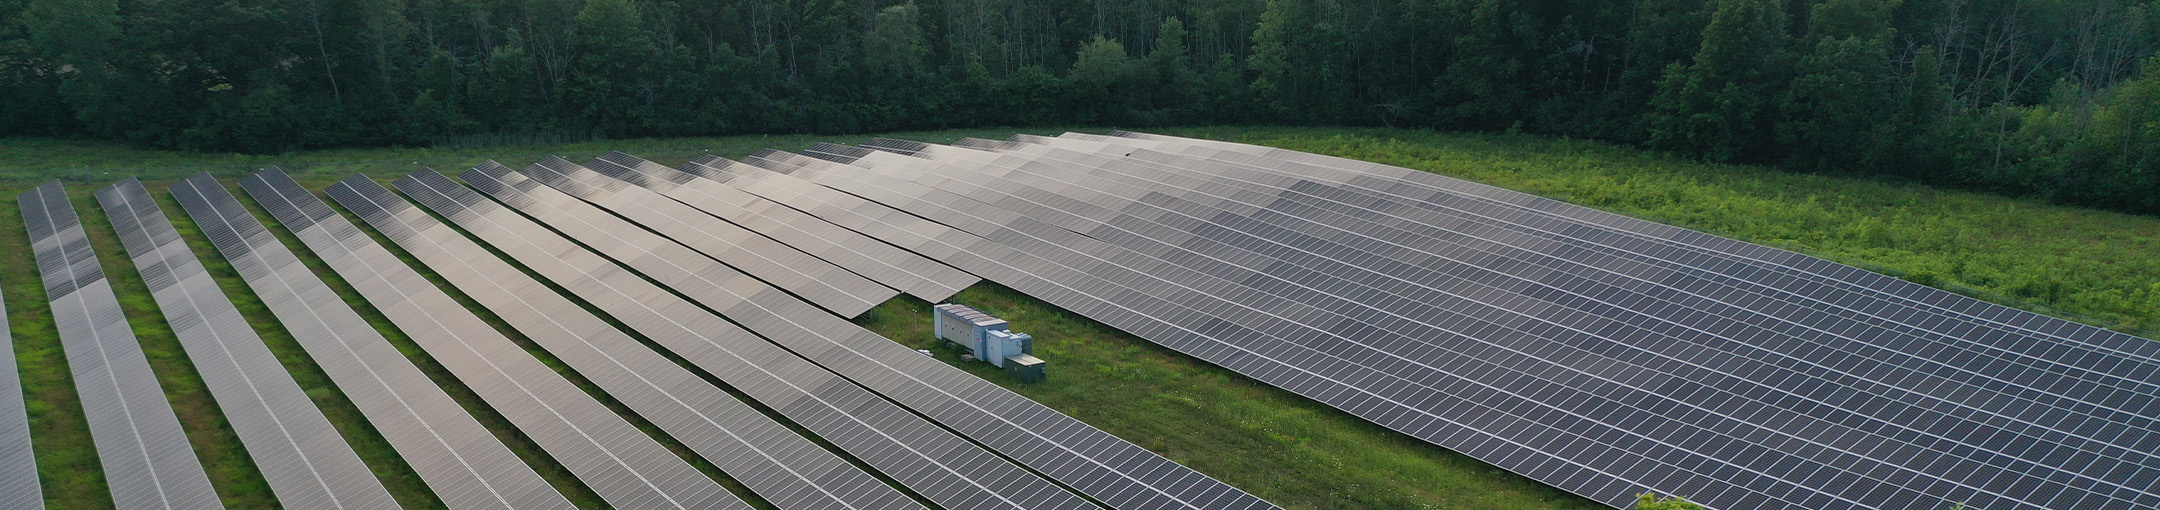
(2093, 266)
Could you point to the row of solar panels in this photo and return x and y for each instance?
(1604, 355)
(729, 282)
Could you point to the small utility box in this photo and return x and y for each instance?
(987, 338)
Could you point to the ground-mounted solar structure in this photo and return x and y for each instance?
(18, 464)
(720, 307)
(784, 468)
(301, 455)
(465, 466)
(147, 458)
(1602, 360)
(1114, 471)
(606, 452)
(897, 268)
(937, 464)
(783, 266)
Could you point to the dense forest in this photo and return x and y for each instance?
(2053, 97)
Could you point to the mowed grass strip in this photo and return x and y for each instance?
(2092, 266)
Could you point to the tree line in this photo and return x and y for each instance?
(2052, 97)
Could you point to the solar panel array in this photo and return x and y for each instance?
(897, 268)
(1114, 471)
(786, 267)
(614, 458)
(305, 461)
(18, 465)
(786, 469)
(457, 457)
(1605, 355)
(935, 463)
(1602, 360)
(147, 459)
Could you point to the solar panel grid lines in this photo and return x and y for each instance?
(899, 228)
(1136, 310)
(305, 461)
(1793, 264)
(940, 466)
(465, 466)
(815, 170)
(19, 488)
(1690, 289)
(1234, 243)
(620, 463)
(921, 383)
(146, 456)
(1977, 441)
(1118, 311)
(2059, 500)
(1084, 199)
(2003, 366)
(818, 200)
(816, 280)
(786, 469)
(924, 278)
(1038, 213)
(1868, 305)
(1123, 474)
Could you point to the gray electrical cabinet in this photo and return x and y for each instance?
(988, 338)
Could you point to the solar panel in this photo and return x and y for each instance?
(935, 463)
(816, 280)
(784, 468)
(147, 458)
(457, 457)
(18, 465)
(302, 457)
(1264, 252)
(1117, 472)
(897, 268)
(619, 462)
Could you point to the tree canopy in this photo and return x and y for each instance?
(2050, 97)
